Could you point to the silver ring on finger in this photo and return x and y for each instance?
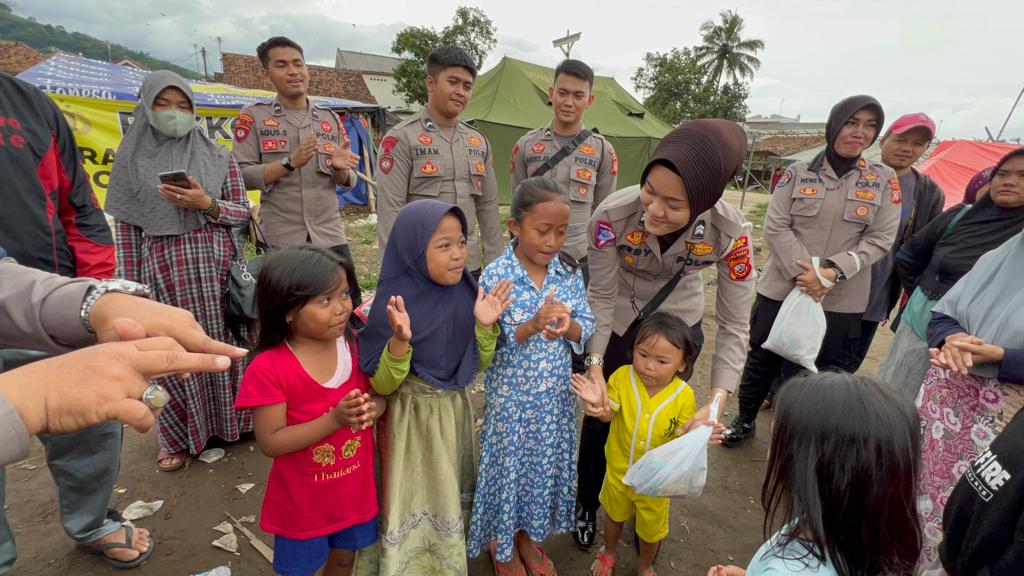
(178, 196)
(156, 397)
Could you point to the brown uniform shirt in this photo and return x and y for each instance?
(588, 175)
(627, 268)
(417, 161)
(851, 221)
(303, 204)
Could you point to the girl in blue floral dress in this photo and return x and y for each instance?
(527, 476)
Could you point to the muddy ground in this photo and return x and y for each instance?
(721, 526)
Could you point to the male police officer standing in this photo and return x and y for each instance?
(295, 152)
(582, 162)
(436, 155)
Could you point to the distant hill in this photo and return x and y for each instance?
(45, 38)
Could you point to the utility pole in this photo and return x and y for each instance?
(220, 44)
(1008, 116)
(206, 72)
(196, 48)
(566, 42)
(109, 57)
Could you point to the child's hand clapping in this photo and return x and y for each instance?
(355, 410)
(401, 329)
(553, 319)
(489, 307)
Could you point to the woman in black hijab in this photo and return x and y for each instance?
(840, 211)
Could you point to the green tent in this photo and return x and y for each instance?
(512, 98)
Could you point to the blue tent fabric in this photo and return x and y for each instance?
(67, 75)
(359, 141)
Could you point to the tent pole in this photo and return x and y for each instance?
(1008, 116)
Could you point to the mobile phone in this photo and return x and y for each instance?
(177, 178)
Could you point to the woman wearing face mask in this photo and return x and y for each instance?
(842, 209)
(178, 241)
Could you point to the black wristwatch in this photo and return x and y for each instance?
(287, 163)
(840, 277)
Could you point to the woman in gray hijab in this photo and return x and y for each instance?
(177, 239)
(976, 384)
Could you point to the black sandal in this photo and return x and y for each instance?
(121, 564)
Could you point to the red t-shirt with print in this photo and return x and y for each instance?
(325, 487)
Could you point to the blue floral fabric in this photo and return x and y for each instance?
(527, 473)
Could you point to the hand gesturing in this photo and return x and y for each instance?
(489, 307)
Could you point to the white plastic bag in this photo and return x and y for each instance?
(800, 327)
(676, 468)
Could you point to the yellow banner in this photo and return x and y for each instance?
(98, 126)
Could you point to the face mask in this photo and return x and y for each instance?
(173, 123)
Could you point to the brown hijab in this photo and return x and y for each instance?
(706, 154)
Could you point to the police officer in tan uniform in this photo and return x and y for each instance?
(842, 209)
(639, 239)
(588, 169)
(295, 152)
(436, 155)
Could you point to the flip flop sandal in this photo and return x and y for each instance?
(101, 549)
(650, 573)
(607, 564)
(546, 567)
(498, 569)
(178, 460)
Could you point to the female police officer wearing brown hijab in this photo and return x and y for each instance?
(638, 239)
(842, 209)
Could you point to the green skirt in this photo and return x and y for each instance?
(428, 476)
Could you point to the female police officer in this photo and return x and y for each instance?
(841, 208)
(649, 243)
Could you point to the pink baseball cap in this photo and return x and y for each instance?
(911, 121)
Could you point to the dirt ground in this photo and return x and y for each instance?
(721, 526)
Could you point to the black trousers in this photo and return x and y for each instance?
(763, 366)
(356, 293)
(590, 465)
(859, 346)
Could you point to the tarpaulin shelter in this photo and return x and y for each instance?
(97, 99)
(955, 162)
(512, 98)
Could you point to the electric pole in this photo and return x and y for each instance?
(565, 43)
(206, 72)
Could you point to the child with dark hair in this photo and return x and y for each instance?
(839, 493)
(648, 405)
(312, 413)
(526, 485)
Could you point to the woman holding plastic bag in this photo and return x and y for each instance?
(842, 209)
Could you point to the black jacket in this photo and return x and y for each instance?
(983, 523)
(928, 200)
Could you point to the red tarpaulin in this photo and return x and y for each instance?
(954, 162)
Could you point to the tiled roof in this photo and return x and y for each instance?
(786, 144)
(242, 70)
(16, 57)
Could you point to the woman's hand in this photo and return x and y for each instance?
(717, 429)
(729, 570)
(951, 356)
(194, 198)
(809, 282)
(489, 307)
(978, 352)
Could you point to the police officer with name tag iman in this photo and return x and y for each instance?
(436, 155)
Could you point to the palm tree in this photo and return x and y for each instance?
(725, 52)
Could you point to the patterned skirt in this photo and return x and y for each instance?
(428, 476)
(960, 416)
(190, 271)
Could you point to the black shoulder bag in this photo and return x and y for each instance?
(569, 148)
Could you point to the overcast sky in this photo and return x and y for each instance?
(957, 60)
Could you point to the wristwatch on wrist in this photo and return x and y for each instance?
(208, 211)
(840, 277)
(593, 360)
(93, 294)
(287, 163)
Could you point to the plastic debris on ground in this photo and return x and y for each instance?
(212, 455)
(138, 510)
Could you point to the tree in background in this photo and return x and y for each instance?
(470, 30)
(676, 89)
(724, 51)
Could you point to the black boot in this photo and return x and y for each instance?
(738, 431)
(586, 528)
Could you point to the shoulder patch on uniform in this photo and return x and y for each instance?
(740, 269)
(246, 118)
(512, 158)
(787, 177)
(388, 144)
(386, 162)
(604, 234)
(615, 160)
(897, 192)
(242, 130)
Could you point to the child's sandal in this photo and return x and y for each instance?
(607, 564)
(546, 567)
(498, 569)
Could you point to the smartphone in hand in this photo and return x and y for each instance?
(177, 178)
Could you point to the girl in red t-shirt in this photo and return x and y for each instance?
(313, 414)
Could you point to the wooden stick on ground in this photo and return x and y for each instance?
(258, 544)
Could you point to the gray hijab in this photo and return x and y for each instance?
(988, 301)
(132, 195)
